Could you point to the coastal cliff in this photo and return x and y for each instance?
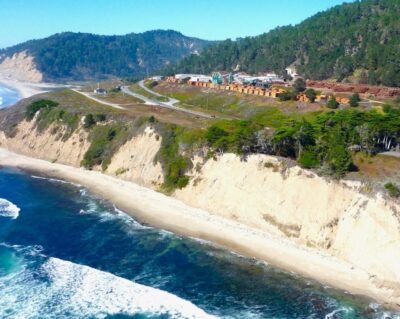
(339, 218)
(20, 67)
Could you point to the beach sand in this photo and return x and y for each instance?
(168, 213)
(27, 89)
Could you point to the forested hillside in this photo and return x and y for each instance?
(81, 56)
(359, 42)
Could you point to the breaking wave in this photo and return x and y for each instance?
(8, 209)
(68, 290)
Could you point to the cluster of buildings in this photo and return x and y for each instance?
(273, 91)
(230, 78)
(268, 85)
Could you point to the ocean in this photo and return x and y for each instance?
(65, 253)
(8, 96)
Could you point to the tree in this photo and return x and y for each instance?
(338, 157)
(311, 95)
(214, 133)
(35, 106)
(387, 107)
(88, 121)
(287, 96)
(299, 85)
(393, 190)
(354, 99)
(332, 103)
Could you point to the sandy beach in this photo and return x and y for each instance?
(27, 89)
(168, 213)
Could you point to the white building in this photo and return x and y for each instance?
(291, 70)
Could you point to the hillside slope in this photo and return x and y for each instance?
(83, 56)
(360, 40)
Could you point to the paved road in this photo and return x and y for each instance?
(167, 105)
(171, 101)
(146, 100)
(391, 153)
(90, 96)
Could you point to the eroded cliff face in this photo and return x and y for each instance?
(21, 67)
(134, 161)
(49, 145)
(337, 218)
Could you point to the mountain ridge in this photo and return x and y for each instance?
(86, 56)
(356, 42)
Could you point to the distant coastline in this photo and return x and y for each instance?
(27, 89)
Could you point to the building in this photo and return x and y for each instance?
(291, 70)
(100, 91)
(157, 78)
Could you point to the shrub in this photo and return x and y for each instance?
(332, 103)
(174, 164)
(354, 100)
(104, 140)
(299, 85)
(287, 96)
(99, 117)
(32, 108)
(393, 190)
(311, 95)
(387, 108)
(88, 121)
(308, 159)
(215, 133)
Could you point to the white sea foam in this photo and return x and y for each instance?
(56, 180)
(67, 290)
(8, 209)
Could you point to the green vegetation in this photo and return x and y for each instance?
(105, 140)
(234, 136)
(325, 141)
(299, 85)
(289, 95)
(354, 100)
(174, 164)
(91, 120)
(311, 95)
(353, 38)
(332, 103)
(393, 190)
(84, 56)
(38, 105)
(66, 119)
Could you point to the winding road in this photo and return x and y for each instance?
(169, 104)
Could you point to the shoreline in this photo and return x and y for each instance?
(168, 213)
(27, 89)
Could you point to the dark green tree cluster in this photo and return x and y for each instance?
(84, 56)
(325, 141)
(38, 105)
(363, 35)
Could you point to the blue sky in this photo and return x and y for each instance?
(22, 20)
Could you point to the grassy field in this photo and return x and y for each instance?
(235, 105)
(137, 89)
